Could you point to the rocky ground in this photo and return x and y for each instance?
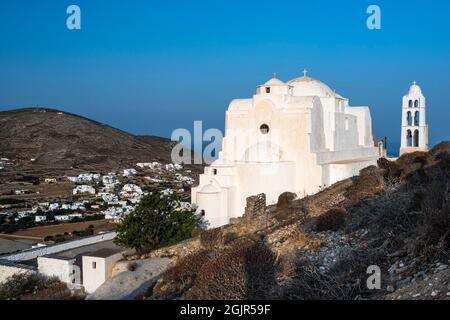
(132, 282)
(395, 216)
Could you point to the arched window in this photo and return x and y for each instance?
(416, 138)
(409, 118)
(410, 103)
(416, 104)
(416, 118)
(408, 138)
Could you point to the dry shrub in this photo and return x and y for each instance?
(441, 148)
(315, 244)
(211, 239)
(299, 238)
(54, 291)
(345, 281)
(364, 186)
(351, 268)
(333, 219)
(31, 286)
(229, 237)
(196, 232)
(372, 171)
(391, 169)
(311, 284)
(287, 269)
(132, 266)
(244, 271)
(391, 184)
(432, 238)
(285, 200)
(178, 279)
(410, 163)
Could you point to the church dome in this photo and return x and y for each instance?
(307, 86)
(415, 89)
(274, 82)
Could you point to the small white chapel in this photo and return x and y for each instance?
(298, 136)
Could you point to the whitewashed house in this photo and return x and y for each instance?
(75, 216)
(167, 192)
(53, 206)
(62, 218)
(97, 267)
(110, 182)
(149, 165)
(173, 167)
(40, 218)
(88, 177)
(132, 193)
(84, 189)
(129, 172)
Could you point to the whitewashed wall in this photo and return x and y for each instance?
(39, 252)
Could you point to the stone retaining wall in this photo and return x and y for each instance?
(9, 269)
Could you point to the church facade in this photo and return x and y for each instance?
(298, 136)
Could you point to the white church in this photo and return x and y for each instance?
(297, 136)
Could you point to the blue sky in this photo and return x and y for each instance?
(149, 67)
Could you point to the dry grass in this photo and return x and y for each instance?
(298, 238)
(211, 239)
(33, 286)
(178, 279)
(285, 200)
(432, 236)
(245, 271)
(364, 186)
(333, 219)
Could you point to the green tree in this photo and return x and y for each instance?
(157, 221)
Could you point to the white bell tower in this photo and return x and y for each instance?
(414, 125)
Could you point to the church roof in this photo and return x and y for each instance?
(274, 82)
(307, 86)
(415, 89)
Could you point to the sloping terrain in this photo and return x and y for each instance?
(59, 139)
(394, 216)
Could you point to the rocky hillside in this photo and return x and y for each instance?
(55, 138)
(395, 216)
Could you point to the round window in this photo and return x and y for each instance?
(264, 129)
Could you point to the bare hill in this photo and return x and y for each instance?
(61, 139)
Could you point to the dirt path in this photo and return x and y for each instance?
(40, 233)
